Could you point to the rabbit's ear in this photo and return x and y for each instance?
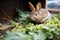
(31, 6)
(38, 6)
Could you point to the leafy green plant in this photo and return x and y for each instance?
(15, 36)
(25, 30)
(23, 17)
(34, 32)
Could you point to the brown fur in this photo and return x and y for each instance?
(37, 14)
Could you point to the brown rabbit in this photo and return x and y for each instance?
(37, 14)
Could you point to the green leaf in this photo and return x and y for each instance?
(38, 36)
(58, 16)
(15, 36)
(22, 17)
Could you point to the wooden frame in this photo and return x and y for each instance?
(53, 10)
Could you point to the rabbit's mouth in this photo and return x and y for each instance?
(32, 19)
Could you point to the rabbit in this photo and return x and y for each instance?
(38, 14)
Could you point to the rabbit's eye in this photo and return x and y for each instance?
(36, 14)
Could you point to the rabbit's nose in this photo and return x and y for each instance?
(32, 18)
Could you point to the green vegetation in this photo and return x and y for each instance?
(25, 30)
